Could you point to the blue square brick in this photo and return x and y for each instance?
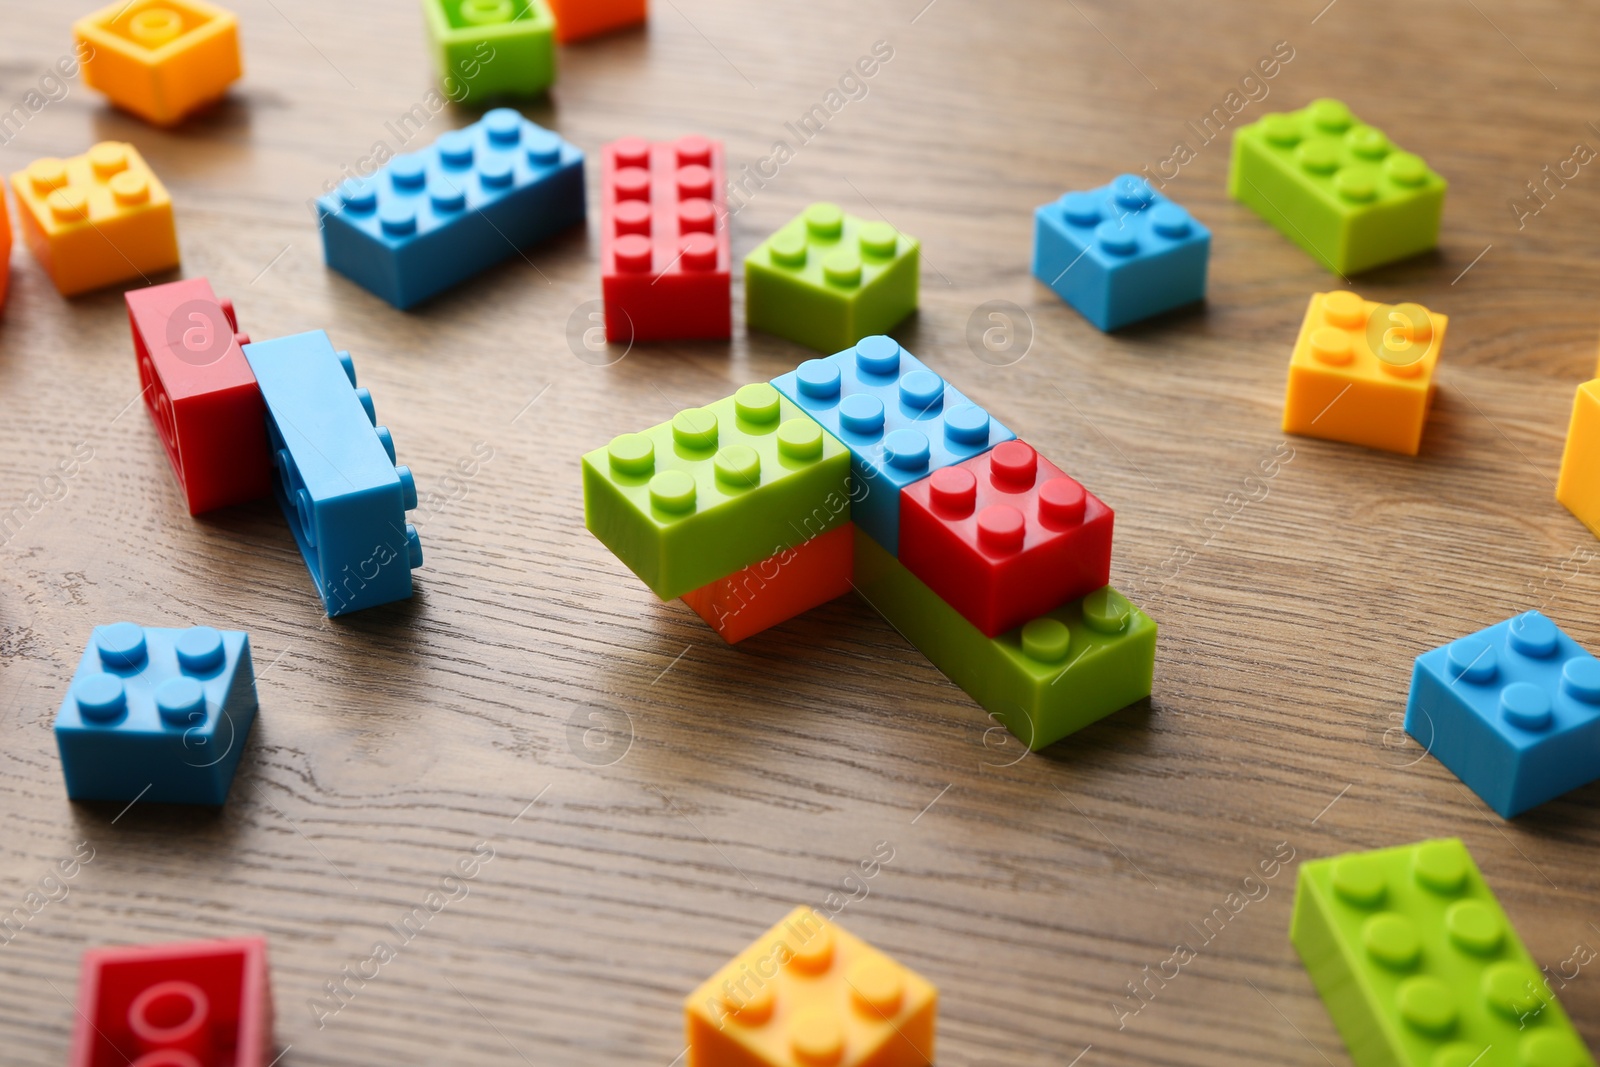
(899, 420)
(1120, 253)
(334, 473)
(1513, 711)
(157, 715)
(433, 218)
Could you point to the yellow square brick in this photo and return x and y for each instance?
(1362, 372)
(160, 59)
(96, 219)
(1579, 485)
(807, 994)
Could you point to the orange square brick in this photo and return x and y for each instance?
(577, 19)
(5, 251)
(807, 994)
(1362, 372)
(160, 59)
(778, 588)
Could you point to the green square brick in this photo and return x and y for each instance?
(1419, 967)
(490, 48)
(716, 489)
(1043, 680)
(1337, 187)
(827, 279)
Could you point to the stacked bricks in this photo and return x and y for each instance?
(867, 470)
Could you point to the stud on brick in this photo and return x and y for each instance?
(430, 219)
(1005, 536)
(160, 59)
(200, 392)
(159, 715)
(1362, 372)
(492, 48)
(827, 279)
(1337, 187)
(664, 255)
(1513, 711)
(1121, 253)
(334, 474)
(96, 219)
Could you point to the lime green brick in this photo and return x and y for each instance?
(1043, 680)
(1337, 187)
(716, 489)
(828, 279)
(492, 48)
(1419, 967)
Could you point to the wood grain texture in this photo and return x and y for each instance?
(739, 782)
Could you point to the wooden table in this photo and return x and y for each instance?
(652, 798)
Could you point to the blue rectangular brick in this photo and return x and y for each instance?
(1513, 711)
(157, 715)
(334, 473)
(1120, 253)
(899, 420)
(431, 219)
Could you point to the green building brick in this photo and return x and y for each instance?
(1337, 187)
(1419, 967)
(1043, 680)
(828, 279)
(716, 489)
(491, 48)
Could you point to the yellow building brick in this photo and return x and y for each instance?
(808, 994)
(160, 59)
(96, 219)
(1362, 372)
(1579, 485)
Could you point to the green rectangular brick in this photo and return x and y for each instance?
(1337, 187)
(490, 48)
(1045, 679)
(716, 489)
(1419, 967)
(827, 279)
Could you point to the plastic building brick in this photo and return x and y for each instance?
(578, 19)
(185, 1004)
(201, 393)
(808, 994)
(95, 219)
(334, 474)
(160, 59)
(828, 279)
(490, 48)
(1005, 536)
(899, 420)
(1120, 253)
(1042, 681)
(1579, 485)
(5, 254)
(1513, 711)
(716, 489)
(1337, 187)
(778, 588)
(161, 715)
(664, 256)
(1362, 372)
(1419, 967)
(430, 219)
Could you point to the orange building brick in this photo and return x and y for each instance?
(577, 19)
(5, 251)
(1362, 372)
(778, 588)
(96, 219)
(160, 59)
(807, 994)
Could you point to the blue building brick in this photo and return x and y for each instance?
(158, 715)
(1513, 711)
(899, 420)
(432, 218)
(1120, 253)
(334, 473)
